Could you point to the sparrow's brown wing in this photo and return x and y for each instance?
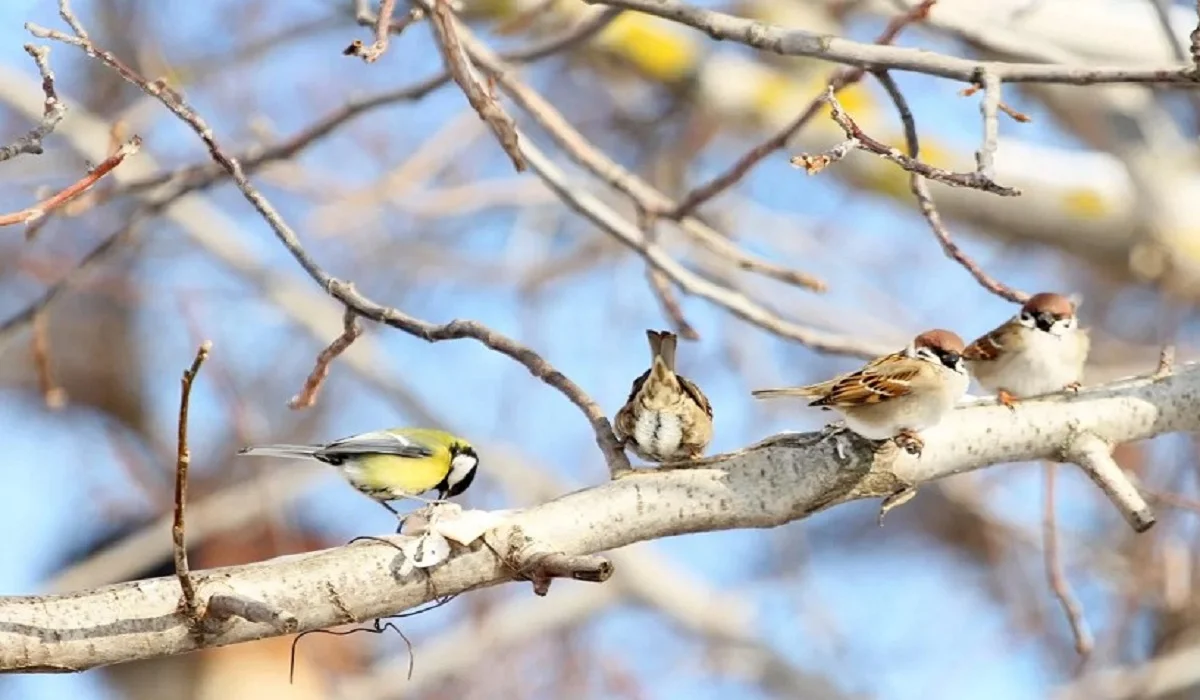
(886, 378)
(623, 423)
(694, 391)
(989, 346)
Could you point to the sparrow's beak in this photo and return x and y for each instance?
(951, 359)
(1045, 322)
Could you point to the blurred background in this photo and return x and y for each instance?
(413, 200)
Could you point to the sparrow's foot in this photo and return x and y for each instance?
(1073, 387)
(910, 441)
(897, 499)
(1007, 400)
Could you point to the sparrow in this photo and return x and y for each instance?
(1040, 350)
(666, 417)
(895, 396)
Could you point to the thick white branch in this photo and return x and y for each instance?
(1094, 457)
(784, 478)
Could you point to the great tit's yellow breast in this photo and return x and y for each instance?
(401, 476)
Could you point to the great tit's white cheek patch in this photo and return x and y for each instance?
(460, 466)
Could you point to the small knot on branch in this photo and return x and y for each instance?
(224, 606)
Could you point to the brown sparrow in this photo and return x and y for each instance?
(666, 417)
(1040, 350)
(897, 395)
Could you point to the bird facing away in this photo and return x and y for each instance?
(666, 417)
(897, 395)
(1040, 350)
(391, 464)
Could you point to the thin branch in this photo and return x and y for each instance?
(85, 183)
(53, 113)
(973, 180)
(445, 29)
(989, 106)
(537, 366)
(920, 190)
(312, 386)
(801, 42)
(1054, 569)
(383, 32)
(1166, 361)
(840, 79)
(183, 460)
(53, 394)
(814, 163)
(1094, 457)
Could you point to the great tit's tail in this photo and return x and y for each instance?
(290, 451)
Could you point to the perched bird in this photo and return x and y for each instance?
(666, 417)
(1040, 350)
(392, 464)
(897, 395)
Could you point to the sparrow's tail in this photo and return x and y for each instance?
(808, 392)
(662, 352)
(291, 451)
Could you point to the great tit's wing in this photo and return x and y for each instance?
(888, 377)
(377, 442)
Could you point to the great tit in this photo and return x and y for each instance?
(666, 416)
(392, 464)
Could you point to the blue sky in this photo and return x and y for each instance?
(898, 606)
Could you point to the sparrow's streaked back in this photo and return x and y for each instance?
(897, 395)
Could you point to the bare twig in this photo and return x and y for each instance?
(537, 366)
(973, 180)
(985, 157)
(51, 203)
(815, 163)
(1054, 569)
(53, 394)
(801, 42)
(1166, 362)
(459, 65)
(920, 190)
(1094, 457)
(312, 386)
(838, 81)
(383, 32)
(183, 461)
(53, 114)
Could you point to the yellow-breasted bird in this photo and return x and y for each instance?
(666, 417)
(391, 464)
